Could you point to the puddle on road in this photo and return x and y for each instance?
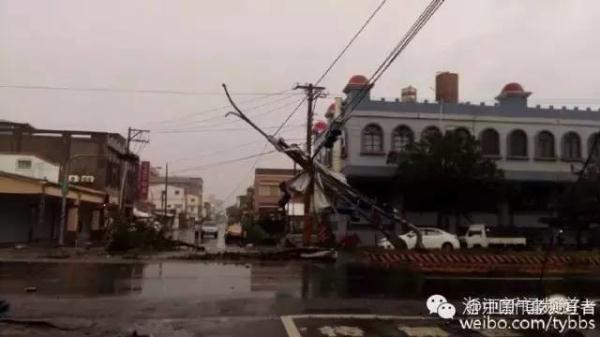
(293, 279)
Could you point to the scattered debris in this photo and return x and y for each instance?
(58, 254)
(135, 334)
(329, 254)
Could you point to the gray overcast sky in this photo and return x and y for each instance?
(549, 46)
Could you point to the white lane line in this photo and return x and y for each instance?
(422, 331)
(292, 330)
(290, 326)
(499, 333)
(363, 316)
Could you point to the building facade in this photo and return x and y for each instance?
(185, 207)
(30, 211)
(30, 166)
(266, 190)
(536, 147)
(100, 155)
(192, 186)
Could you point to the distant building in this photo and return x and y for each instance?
(539, 148)
(186, 207)
(193, 206)
(191, 185)
(267, 192)
(29, 166)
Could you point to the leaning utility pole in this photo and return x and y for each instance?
(312, 93)
(166, 187)
(133, 136)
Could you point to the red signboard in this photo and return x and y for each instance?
(143, 180)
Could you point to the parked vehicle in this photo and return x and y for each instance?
(234, 234)
(433, 238)
(209, 229)
(479, 236)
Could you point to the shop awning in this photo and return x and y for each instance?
(18, 184)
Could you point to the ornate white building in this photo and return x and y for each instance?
(537, 147)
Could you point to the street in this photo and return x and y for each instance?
(228, 299)
(381, 168)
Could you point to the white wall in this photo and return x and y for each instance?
(193, 205)
(40, 169)
(388, 121)
(175, 197)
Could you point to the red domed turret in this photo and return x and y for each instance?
(330, 111)
(356, 82)
(513, 89)
(319, 127)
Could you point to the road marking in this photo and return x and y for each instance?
(422, 331)
(499, 333)
(292, 330)
(290, 327)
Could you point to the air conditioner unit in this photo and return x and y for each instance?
(73, 179)
(87, 179)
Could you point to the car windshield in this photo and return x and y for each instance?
(322, 168)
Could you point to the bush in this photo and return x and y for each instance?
(125, 236)
(255, 235)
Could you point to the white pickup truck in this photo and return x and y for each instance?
(477, 237)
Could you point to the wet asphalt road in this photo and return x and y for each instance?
(228, 299)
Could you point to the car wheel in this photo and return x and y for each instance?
(447, 247)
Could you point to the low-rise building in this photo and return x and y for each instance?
(101, 157)
(540, 149)
(30, 211)
(185, 207)
(192, 186)
(30, 166)
(267, 192)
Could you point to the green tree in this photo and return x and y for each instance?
(449, 174)
(579, 206)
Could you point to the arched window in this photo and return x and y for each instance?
(462, 132)
(571, 146)
(544, 145)
(401, 138)
(490, 142)
(430, 133)
(372, 139)
(517, 144)
(594, 150)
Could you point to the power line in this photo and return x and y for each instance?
(247, 109)
(134, 91)
(230, 161)
(383, 67)
(335, 60)
(184, 119)
(223, 107)
(360, 30)
(245, 176)
(216, 130)
(289, 116)
(223, 150)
